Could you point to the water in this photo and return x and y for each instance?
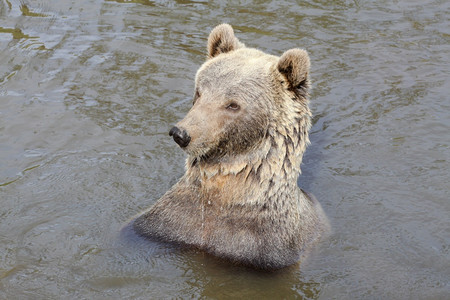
(89, 90)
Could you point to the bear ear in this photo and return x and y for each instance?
(222, 40)
(294, 65)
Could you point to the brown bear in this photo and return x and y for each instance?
(245, 136)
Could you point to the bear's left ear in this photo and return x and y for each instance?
(222, 40)
(294, 65)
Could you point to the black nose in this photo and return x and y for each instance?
(180, 136)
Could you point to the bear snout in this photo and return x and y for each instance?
(180, 136)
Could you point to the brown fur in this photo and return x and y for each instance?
(239, 197)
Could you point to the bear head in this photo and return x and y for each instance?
(242, 97)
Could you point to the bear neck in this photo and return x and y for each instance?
(274, 167)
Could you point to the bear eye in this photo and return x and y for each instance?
(233, 106)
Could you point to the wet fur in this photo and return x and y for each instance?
(239, 198)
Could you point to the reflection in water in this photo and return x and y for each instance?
(16, 33)
(143, 2)
(32, 42)
(224, 282)
(27, 12)
(206, 276)
(89, 91)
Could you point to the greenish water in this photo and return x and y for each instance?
(89, 90)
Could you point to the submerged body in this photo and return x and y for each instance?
(245, 137)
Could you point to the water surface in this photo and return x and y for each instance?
(89, 90)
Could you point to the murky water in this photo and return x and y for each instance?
(89, 90)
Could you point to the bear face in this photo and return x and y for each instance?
(223, 120)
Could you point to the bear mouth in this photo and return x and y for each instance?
(203, 159)
(210, 156)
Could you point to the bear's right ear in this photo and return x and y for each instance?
(294, 65)
(222, 40)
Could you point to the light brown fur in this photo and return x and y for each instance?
(239, 197)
